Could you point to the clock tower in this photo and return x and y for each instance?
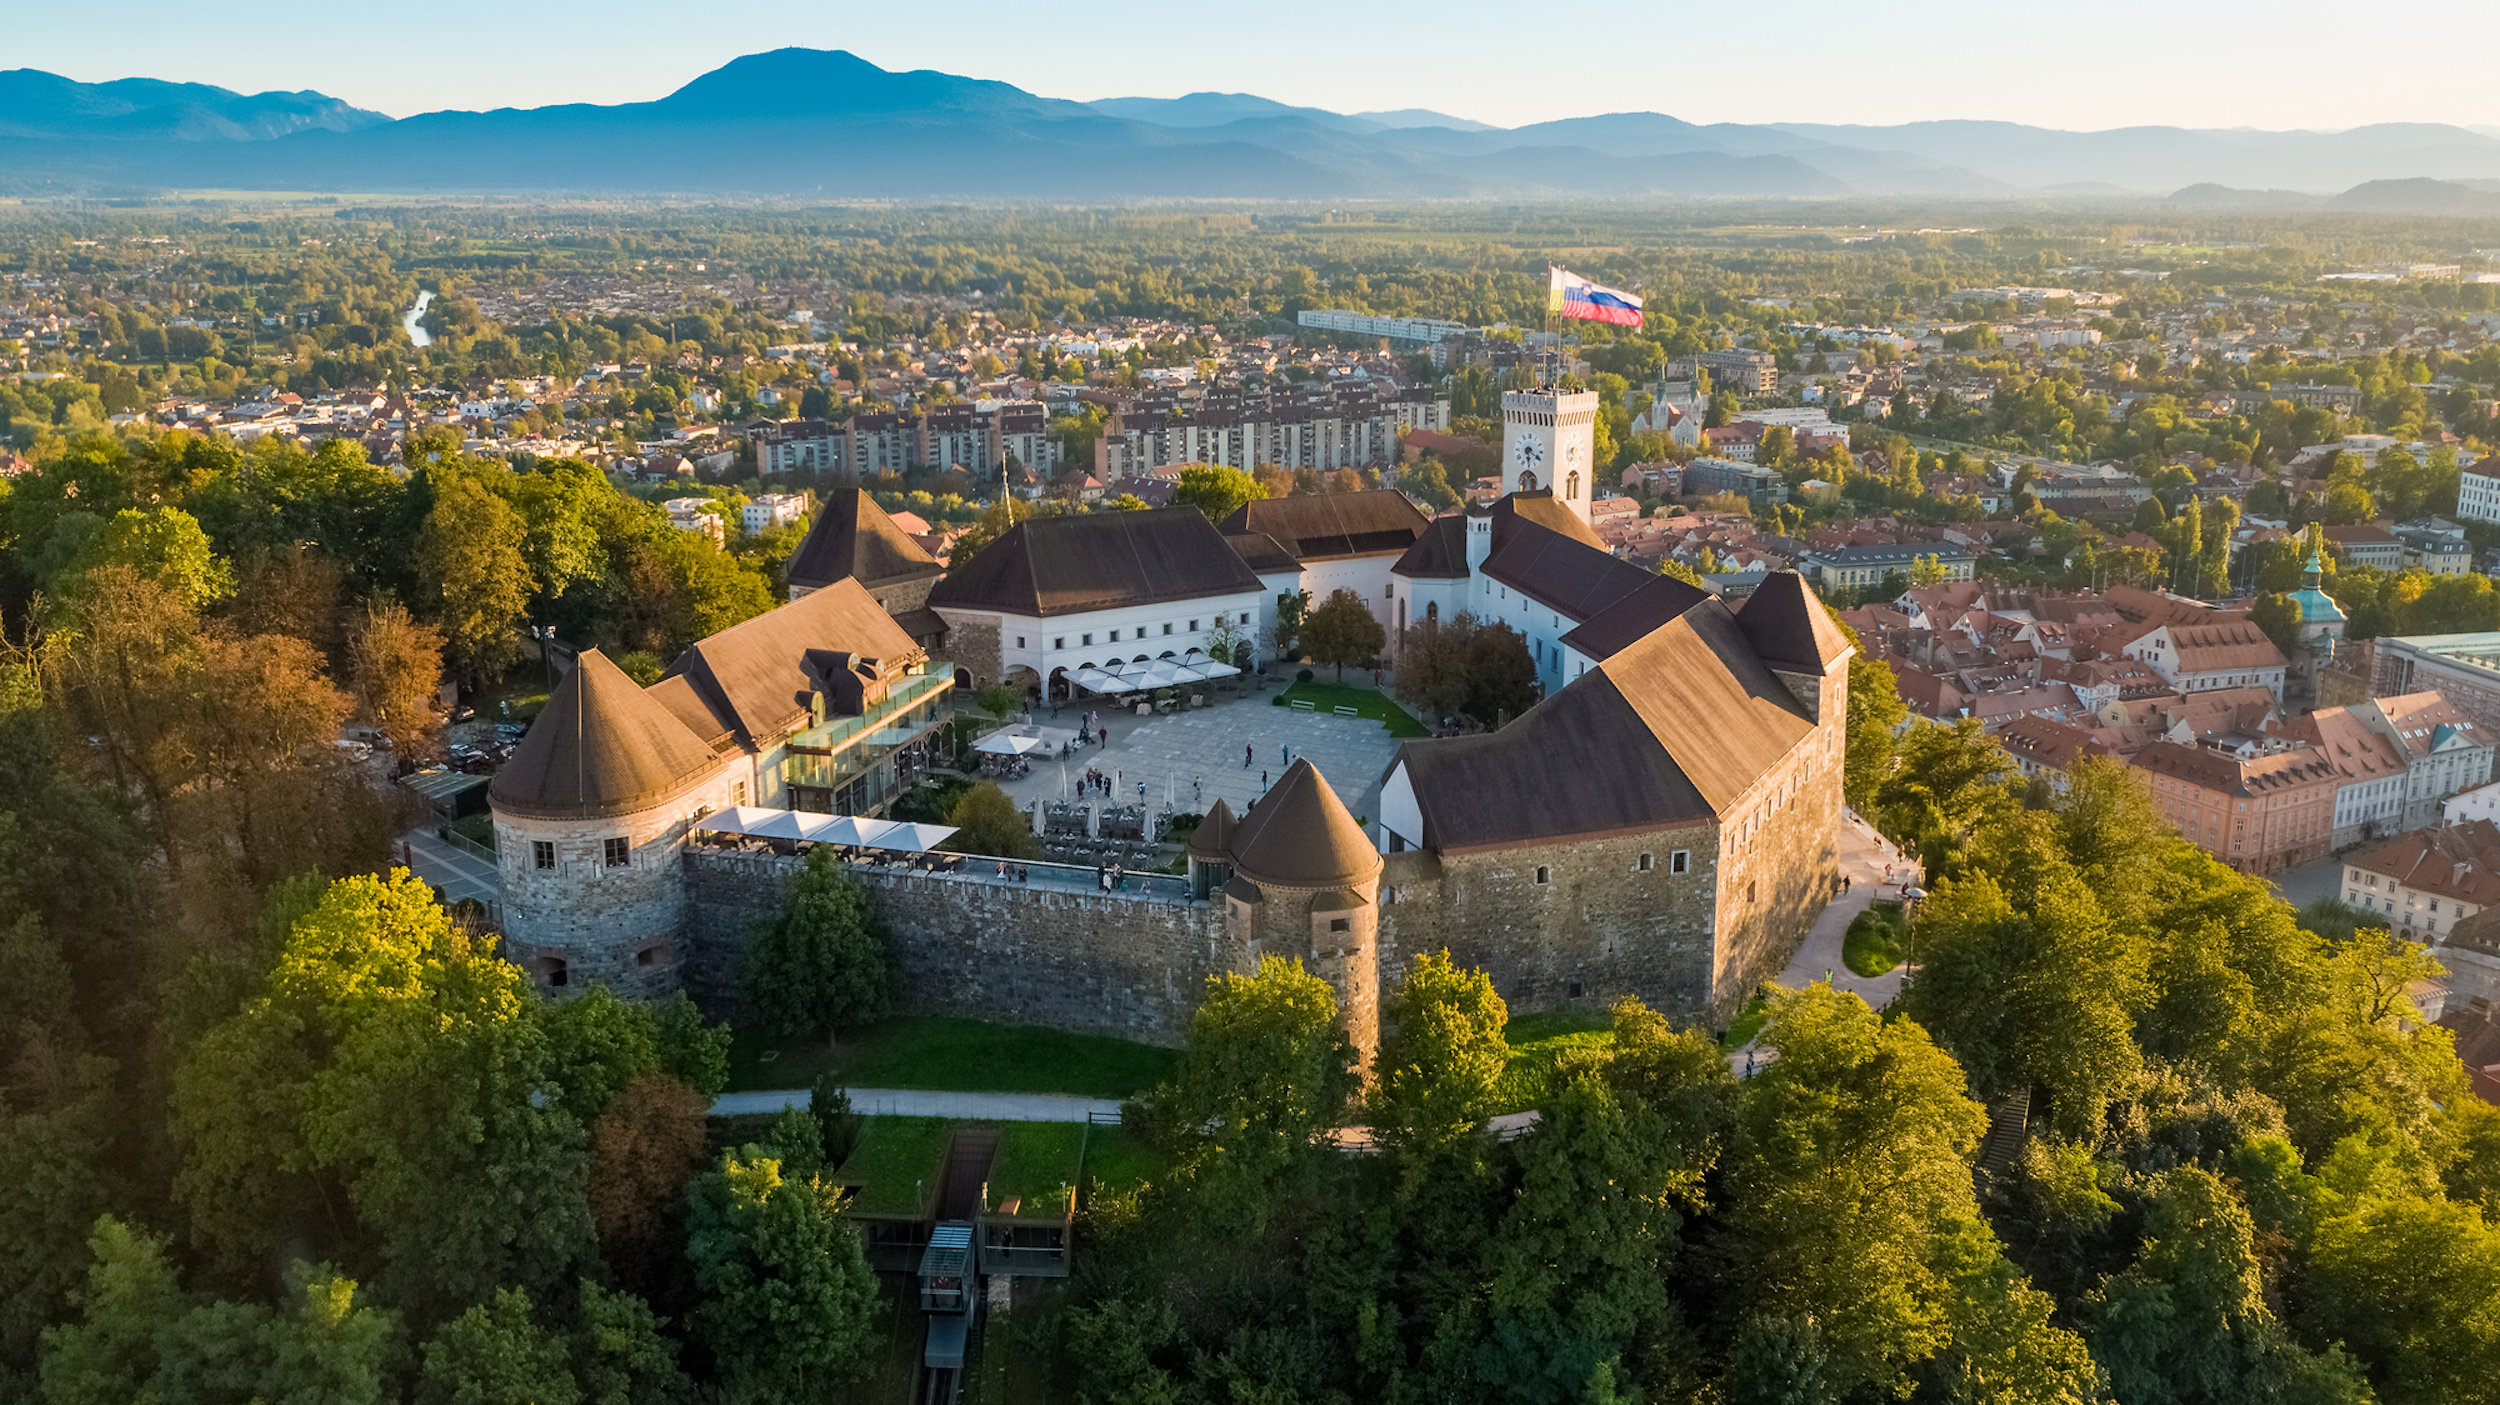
(1549, 443)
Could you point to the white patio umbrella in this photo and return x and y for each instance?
(1002, 744)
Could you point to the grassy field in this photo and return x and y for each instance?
(1037, 1165)
(1116, 1160)
(953, 1055)
(1874, 941)
(1326, 697)
(897, 1164)
(1539, 1043)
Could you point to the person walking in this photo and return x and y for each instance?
(1287, 751)
(1246, 751)
(1262, 780)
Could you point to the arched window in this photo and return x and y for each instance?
(1571, 486)
(1527, 482)
(1432, 610)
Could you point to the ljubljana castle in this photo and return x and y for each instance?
(1662, 823)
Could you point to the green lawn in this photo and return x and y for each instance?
(1325, 698)
(953, 1055)
(1538, 1045)
(1116, 1160)
(897, 1164)
(1037, 1163)
(1749, 1022)
(1875, 940)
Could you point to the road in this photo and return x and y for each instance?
(914, 1102)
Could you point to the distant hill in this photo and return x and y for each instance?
(2417, 197)
(810, 123)
(37, 104)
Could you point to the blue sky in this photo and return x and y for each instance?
(2219, 63)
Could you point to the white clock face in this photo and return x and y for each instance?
(1529, 453)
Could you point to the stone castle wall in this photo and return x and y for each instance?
(1100, 963)
(1598, 928)
(597, 923)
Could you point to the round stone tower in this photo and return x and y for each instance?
(591, 815)
(1306, 883)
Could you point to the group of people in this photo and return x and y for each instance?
(1013, 872)
(1111, 879)
(1095, 780)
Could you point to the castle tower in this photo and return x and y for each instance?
(1792, 633)
(1211, 850)
(1549, 441)
(1306, 883)
(590, 817)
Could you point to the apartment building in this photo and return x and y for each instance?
(2259, 814)
(981, 439)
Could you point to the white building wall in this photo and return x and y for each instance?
(1174, 627)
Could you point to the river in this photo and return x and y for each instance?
(416, 332)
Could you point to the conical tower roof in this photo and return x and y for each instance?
(601, 747)
(1300, 836)
(853, 538)
(1213, 838)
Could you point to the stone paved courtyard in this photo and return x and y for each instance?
(1205, 747)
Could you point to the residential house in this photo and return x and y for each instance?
(2230, 652)
(2427, 880)
(2444, 750)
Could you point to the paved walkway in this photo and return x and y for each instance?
(458, 873)
(1863, 857)
(913, 1102)
(1204, 747)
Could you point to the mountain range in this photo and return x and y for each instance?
(807, 123)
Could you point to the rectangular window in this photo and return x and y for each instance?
(1544, 874)
(1647, 862)
(1059, 643)
(1087, 641)
(620, 852)
(1339, 924)
(1681, 861)
(1115, 636)
(1019, 641)
(542, 853)
(1245, 617)
(1167, 628)
(1193, 626)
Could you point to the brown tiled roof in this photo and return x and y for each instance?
(853, 537)
(601, 746)
(1299, 835)
(756, 678)
(2460, 861)
(1316, 526)
(1440, 553)
(1261, 553)
(2258, 775)
(2358, 750)
(1541, 508)
(2233, 644)
(1570, 573)
(1788, 625)
(1671, 730)
(1046, 566)
(2052, 744)
(1631, 618)
(1213, 838)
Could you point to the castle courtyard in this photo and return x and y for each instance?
(1204, 746)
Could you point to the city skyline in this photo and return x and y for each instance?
(2138, 65)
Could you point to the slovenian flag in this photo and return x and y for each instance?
(1575, 296)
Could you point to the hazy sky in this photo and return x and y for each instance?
(2219, 63)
